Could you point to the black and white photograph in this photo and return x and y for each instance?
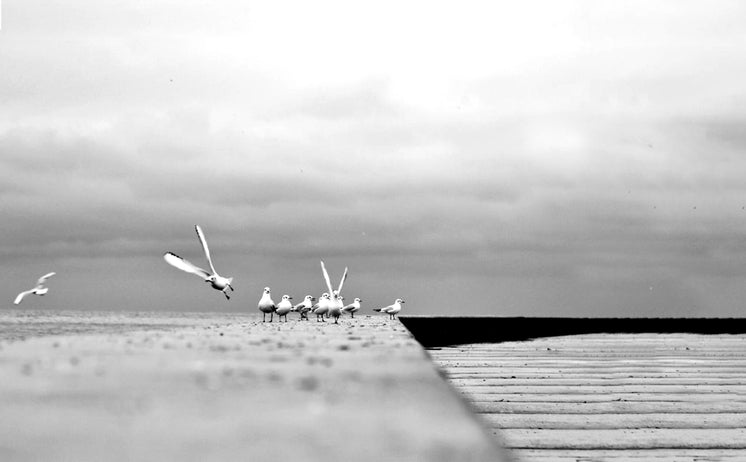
(373, 231)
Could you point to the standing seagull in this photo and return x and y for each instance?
(391, 310)
(322, 307)
(335, 309)
(284, 307)
(353, 307)
(266, 305)
(217, 281)
(38, 290)
(305, 306)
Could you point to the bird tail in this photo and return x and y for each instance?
(377, 309)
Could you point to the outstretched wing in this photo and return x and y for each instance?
(20, 296)
(44, 278)
(178, 262)
(341, 282)
(203, 241)
(326, 277)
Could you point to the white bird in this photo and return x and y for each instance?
(335, 308)
(322, 307)
(38, 290)
(266, 305)
(216, 281)
(391, 310)
(353, 307)
(334, 303)
(284, 307)
(305, 306)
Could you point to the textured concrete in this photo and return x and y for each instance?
(609, 397)
(154, 387)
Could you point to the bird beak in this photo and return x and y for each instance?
(291, 298)
(403, 301)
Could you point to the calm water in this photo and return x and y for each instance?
(23, 324)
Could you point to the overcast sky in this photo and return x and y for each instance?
(514, 158)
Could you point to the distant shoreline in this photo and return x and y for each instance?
(433, 331)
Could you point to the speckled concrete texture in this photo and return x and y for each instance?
(157, 387)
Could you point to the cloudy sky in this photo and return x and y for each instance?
(511, 158)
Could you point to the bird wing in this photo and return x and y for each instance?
(347, 308)
(21, 295)
(326, 277)
(184, 265)
(342, 281)
(44, 278)
(203, 241)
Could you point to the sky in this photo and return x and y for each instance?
(536, 158)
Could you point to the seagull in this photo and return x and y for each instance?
(353, 307)
(322, 307)
(335, 308)
(38, 290)
(217, 281)
(305, 306)
(334, 294)
(266, 305)
(391, 310)
(284, 307)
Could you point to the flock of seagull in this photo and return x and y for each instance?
(330, 304)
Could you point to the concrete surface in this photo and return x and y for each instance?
(609, 397)
(160, 387)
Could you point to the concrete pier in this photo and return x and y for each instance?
(222, 387)
(609, 397)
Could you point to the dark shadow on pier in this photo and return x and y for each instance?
(434, 331)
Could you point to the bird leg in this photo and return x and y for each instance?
(264, 319)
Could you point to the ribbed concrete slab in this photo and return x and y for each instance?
(609, 397)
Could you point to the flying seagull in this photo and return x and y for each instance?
(38, 290)
(335, 303)
(218, 282)
(391, 310)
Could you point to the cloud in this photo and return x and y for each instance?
(541, 158)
